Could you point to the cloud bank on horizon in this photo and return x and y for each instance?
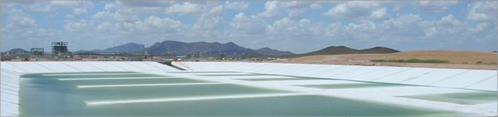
(297, 26)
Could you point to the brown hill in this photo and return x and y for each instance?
(335, 50)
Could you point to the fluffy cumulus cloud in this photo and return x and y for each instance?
(236, 5)
(271, 9)
(434, 6)
(284, 25)
(359, 9)
(483, 11)
(185, 8)
(293, 9)
(243, 24)
(77, 7)
(75, 25)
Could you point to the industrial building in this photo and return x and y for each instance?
(242, 89)
(60, 50)
(37, 52)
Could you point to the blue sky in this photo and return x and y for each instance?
(296, 26)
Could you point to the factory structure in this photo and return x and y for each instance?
(60, 50)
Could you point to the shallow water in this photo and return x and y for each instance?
(469, 98)
(47, 96)
(352, 85)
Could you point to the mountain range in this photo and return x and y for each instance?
(183, 48)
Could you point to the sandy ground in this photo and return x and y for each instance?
(457, 59)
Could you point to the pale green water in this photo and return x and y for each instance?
(273, 79)
(47, 96)
(206, 72)
(232, 75)
(274, 106)
(351, 85)
(461, 98)
(131, 81)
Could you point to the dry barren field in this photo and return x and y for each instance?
(456, 59)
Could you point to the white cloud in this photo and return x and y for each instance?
(150, 22)
(148, 3)
(19, 20)
(315, 6)
(105, 26)
(333, 30)
(449, 20)
(434, 6)
(75, 26)
(236, 5)
(379, 14)
(121, 12)
(78, 7)
(483, 11)
(295, 9)
(153, 23)
(287, 27)
(479, 27)
(295, 14)
(40, 7)
(358, 9)
(243, 24)
(185, 8)
(294, 4)
(271, 9)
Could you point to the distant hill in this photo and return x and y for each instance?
(334, 50)
(125, 48)
(18, 51)
(331, 50)
(379, 50)
(347, 50)
(182, 48)
(269, 51)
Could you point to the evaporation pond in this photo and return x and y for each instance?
(48, 95)
(64, 97)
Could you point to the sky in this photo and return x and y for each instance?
(296, 26)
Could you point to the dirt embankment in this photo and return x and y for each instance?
(456, 59)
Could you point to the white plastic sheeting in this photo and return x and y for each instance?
(105, 66)
(13, 68)
(357, 72)
(82, 66)
(406, 75)
(383, 72)
(488, 84)
(10, 93)
(160, 66)
(434, 76)
(450, 78)
(466, 78)
(33, 67)
(57, 66)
